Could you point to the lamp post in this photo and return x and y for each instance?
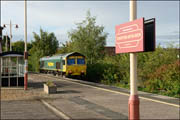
(25, 47)
(10, 28)
(6, 42)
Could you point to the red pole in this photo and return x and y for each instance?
(133, 99)
(133, 107)
(25, 70)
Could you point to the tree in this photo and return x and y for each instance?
(65, 48)
(16, 46)
(44, 44)
(88, 39)
(19, 46)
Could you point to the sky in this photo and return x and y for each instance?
(60, 17)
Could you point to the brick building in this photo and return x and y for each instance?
(110, 50)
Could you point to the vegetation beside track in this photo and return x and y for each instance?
(158, 72)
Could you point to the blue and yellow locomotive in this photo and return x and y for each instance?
(70, 64)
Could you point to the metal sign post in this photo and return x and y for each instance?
(133, 99)
(132, 37)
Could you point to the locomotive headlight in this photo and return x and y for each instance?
(82, 71)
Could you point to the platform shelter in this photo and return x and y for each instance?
(12, 69)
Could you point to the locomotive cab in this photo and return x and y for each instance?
(76, 65)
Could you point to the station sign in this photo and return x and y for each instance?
(135, 36)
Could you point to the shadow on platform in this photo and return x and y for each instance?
(66, 92)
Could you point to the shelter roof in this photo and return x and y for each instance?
(11, 54)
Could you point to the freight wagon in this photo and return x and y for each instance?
(69, 64)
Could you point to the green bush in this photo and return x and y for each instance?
(110, 75)
(157, 71)
(94, 72)
(166, 79)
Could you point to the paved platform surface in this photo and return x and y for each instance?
(81, 101)
(32, 109)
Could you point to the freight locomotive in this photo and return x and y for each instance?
(69, 64)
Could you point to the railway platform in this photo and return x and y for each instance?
(76, 99)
